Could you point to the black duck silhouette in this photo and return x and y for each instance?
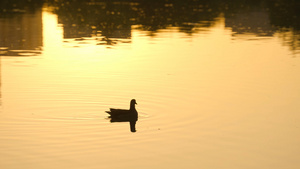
(123, 115)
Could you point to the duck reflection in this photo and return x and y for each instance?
(123, 115)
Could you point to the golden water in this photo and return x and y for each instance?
(210, 100)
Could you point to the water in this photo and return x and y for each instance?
(215, 88)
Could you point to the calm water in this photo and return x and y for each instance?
(217, 84)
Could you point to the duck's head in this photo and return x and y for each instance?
(133, 102)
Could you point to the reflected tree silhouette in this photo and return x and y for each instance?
(11, 7)
(111, 22)
(123, 115)
(21, 27)
(113, 19)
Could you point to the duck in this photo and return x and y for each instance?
(123, 115)
(119, 115)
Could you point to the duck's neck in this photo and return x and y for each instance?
(132, 106)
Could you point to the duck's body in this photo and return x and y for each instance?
(123, 114)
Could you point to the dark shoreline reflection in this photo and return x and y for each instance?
(110, 22)
(21, 28)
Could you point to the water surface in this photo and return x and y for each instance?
(216, 88)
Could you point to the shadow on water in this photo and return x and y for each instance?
(132, 121)
(110, 22)
(123, 115)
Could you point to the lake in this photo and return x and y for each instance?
(216, 84)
